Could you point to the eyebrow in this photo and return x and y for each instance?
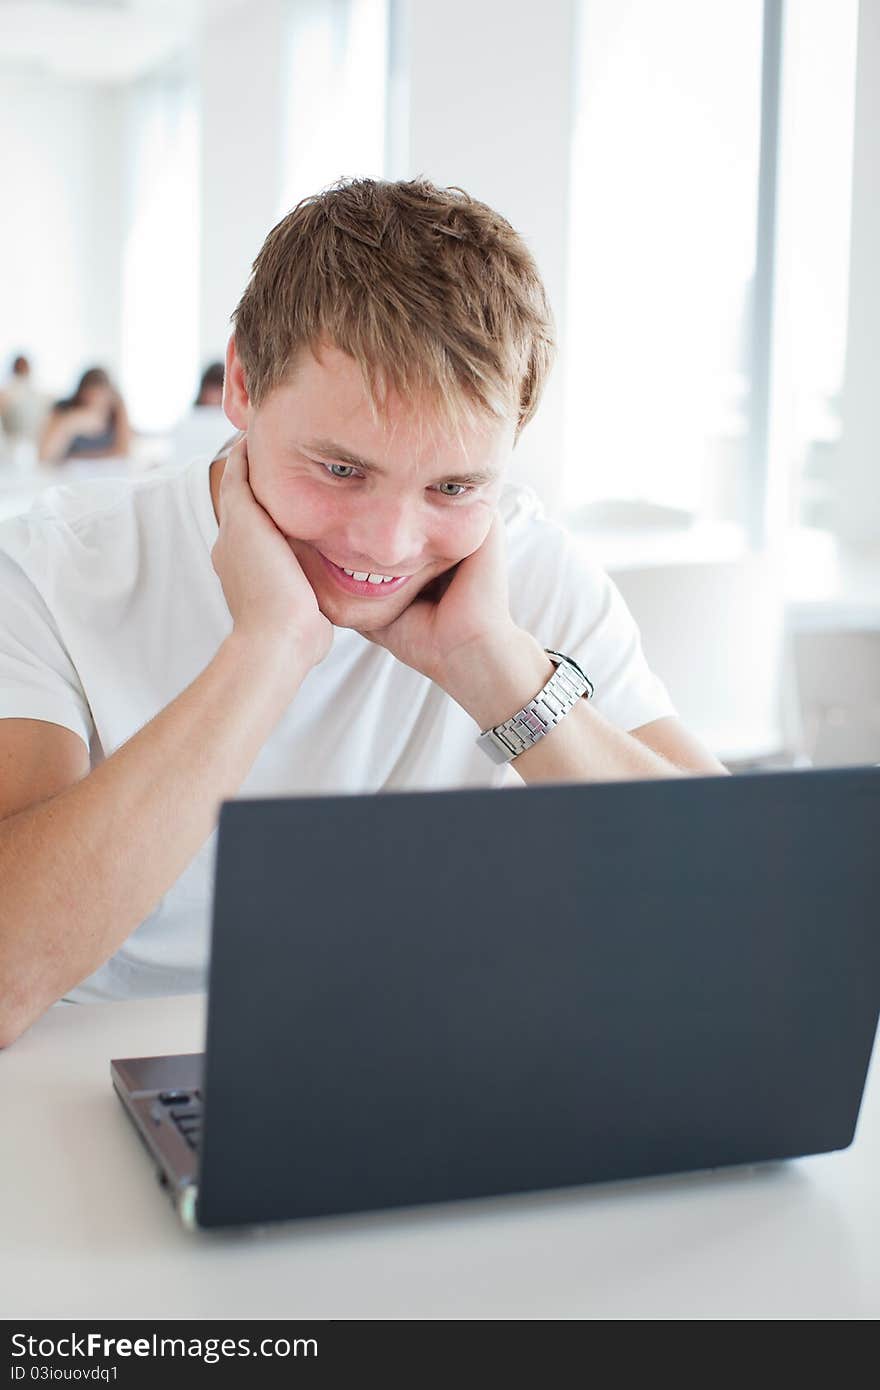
(339, 454)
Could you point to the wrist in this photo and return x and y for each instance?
(493, 678)
(269, 655)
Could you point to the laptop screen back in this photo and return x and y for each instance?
(419, 997)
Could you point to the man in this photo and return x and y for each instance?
(344, 602)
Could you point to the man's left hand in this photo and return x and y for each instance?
(459, 632)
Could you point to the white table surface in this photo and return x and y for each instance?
(86, 1232)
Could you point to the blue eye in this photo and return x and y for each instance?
(343, 471)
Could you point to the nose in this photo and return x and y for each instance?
(386, 536)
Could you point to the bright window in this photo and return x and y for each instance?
(335, 94)
(666, 150)
(815, 203)
(160, 270)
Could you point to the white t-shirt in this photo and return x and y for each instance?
(110, 607)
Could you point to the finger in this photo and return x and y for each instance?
(235, 468)
(490, 553)
(497, 537)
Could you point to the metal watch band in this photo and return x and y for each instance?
(566, 686)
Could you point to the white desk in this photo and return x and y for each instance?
(86, 1232)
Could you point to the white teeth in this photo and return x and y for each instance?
(362, 575)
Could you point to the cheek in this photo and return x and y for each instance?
(458, 532)
(299, 508)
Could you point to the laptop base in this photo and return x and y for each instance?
(152, 1090)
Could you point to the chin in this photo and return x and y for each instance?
(350, 621)
(363, 616)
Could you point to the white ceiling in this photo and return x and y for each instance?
(100, 40)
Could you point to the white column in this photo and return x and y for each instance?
(489, 105)
(241, 77)
(858, 466)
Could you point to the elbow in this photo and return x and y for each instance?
(14, 1021)
(11, 1028)
(18, 1010)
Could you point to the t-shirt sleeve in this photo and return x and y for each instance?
(37, 677)
(569, 603)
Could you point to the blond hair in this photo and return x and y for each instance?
(431, 292)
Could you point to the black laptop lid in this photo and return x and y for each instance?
(418, 997)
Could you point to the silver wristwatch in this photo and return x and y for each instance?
(566, 686)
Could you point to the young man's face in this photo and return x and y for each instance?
(426, 502)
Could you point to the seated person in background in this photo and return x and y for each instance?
(23, 408)
(339, 603)
(205, 426)
(92, 423)
(211, 386)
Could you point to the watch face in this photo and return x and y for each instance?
(561, 657)
(568, 660)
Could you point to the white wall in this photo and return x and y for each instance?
(857, 475)
(60, 228)
(489, 106)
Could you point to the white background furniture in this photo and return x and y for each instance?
(713, 631)
(85, 1231)
(720, 625)
(837, 677)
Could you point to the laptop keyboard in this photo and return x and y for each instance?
(185, 1109)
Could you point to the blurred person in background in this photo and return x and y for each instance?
(23, 409)
(92, 423)
(211, 386)
(205, 427)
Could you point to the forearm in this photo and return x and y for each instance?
(493, 684)
(585, 747)
(121, 445)
(125, 440)
(54, 440)
(83, 869)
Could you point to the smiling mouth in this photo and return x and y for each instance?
(370, 577)
(362, 583)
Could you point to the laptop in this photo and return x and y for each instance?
(429, 996)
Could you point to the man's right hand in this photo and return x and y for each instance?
(266, 590)
(155, 798)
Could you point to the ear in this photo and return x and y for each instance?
(236, 401)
